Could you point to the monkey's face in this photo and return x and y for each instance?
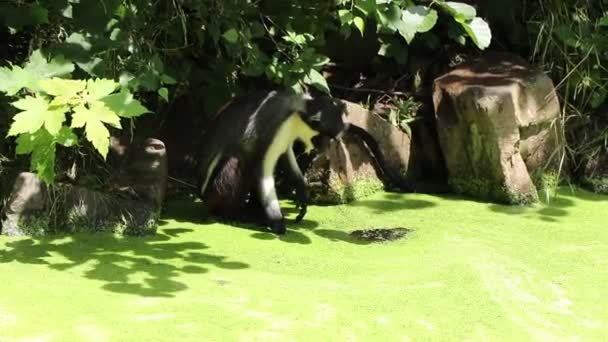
(327, 116)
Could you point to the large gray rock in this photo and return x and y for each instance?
(141, 169)
(498, 124)
(130, 205)
(346, 170)
(35, 209)
(27, 201)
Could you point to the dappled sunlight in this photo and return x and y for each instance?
(148, 266)
(466, 269)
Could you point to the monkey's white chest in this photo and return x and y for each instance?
(291, 130)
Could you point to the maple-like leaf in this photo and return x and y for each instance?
(93, 119)
(100, 88)
(65, 91)
(35, 113)
(124, 105)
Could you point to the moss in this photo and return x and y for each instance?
(546, 182)
(337, 192)
(67, 212)
(490, 190)
(599, 185)
(33, 226)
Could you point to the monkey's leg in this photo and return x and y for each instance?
(296, 176)
(270, 203)
(227, 193)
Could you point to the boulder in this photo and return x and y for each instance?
(498, 126)
(130, 205)
(141, 169)
(27, 200)
(35, 209)
(345, 170)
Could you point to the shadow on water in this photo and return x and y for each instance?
(393, 202)
(113, 260)
(554, 208)
(194, 212)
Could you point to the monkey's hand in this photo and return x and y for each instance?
(301, 202)
(278, 227)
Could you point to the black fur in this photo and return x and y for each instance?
(239, 137)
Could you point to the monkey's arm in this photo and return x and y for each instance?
(296, 176)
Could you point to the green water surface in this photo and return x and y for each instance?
(468, 271)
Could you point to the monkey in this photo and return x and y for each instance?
(244, 142)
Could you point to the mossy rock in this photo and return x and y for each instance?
(599, 185)
(489, 190)
(338, 192)
(37, 210)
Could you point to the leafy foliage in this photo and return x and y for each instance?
(47, 103)
(158, 48)
(570, 39)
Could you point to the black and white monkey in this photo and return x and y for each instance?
(244, 142)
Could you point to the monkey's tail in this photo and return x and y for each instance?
(392, 182)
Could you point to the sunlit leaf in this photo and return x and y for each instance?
(42, 148)
(359, 24)
(416, 19)
(31, 117)
(232, 36)
(99, 88)
(164, 93)
(124, 105)
(480, 32)
(318, 81)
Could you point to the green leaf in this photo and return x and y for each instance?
(57, 67)
(66, 137)
(232, 36)
(416, 19)
(65, 91)
(460, 11)
(603, 21)
(99, 136)
(360, 24)
(164, 93)
(124, 105)
(12, 81)
(100, 88)
(97, 111)
(35, 113)
(62, 87)
(318, 81)
(365, 6)
(479, 31)
(42, 147)
(93, 119)
(166, 79)
(345, 16)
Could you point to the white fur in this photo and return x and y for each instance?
(294, 128)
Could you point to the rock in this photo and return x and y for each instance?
(35, 209)
(346, 171)
(497, 119)
(142, 170)
(27, 200)
(342, 173)
(84, 210)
